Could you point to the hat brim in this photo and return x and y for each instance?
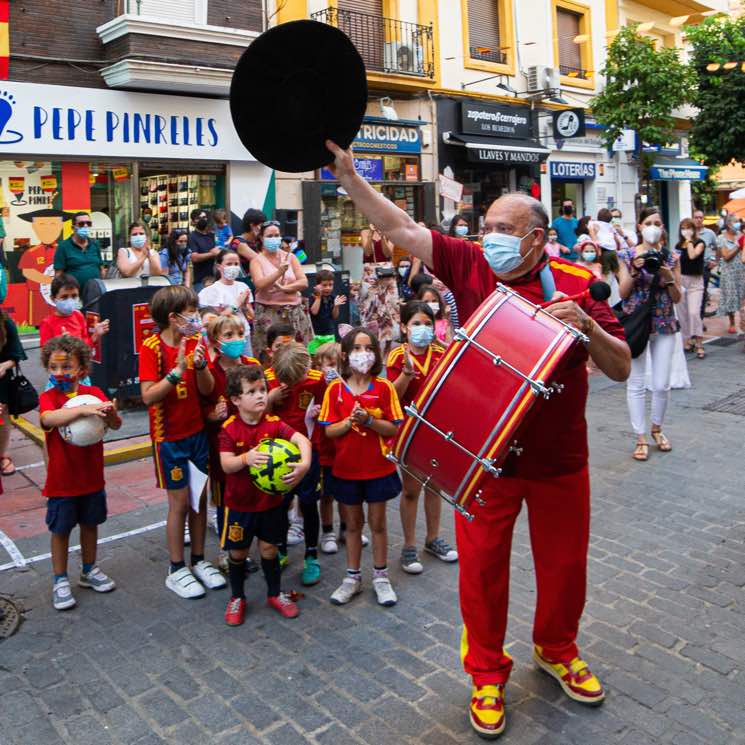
(47, 212)
(296, 86)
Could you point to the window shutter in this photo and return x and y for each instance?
(570, 57)
(373, 7)
(484, 38)
(174, 10)
(362, 21)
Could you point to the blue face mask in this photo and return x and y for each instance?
(233, 348)
(83, 232)
(62, 382)
(67, 306)
(421, 336)
(502, 251)
(272, 243)
(461, 230)
(138, 240)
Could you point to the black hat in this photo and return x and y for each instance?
(48, 212)
(295, 86)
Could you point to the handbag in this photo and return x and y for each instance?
(22, 396)
(637, 325)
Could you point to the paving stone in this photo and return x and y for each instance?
(39, 731)
(126, 724)
(286, 735)
(638, 690)
(164, 710)
(709, 658)
(62, 701)
(86, 730)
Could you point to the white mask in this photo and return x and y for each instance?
(687, 234)
(651, 234)
(231, 272)
(361, 362)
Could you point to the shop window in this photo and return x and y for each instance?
(572, 42)
(488, 35)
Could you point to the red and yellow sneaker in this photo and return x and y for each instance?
(487, 711)
(574, 677)
(235, 612)
(283, 605)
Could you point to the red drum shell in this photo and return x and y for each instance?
(480, 404)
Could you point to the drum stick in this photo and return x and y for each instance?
(597, 291)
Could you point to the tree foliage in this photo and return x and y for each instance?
(718, 133)
(642, 87)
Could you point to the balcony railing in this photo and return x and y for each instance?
(386, 44)
(574, 72)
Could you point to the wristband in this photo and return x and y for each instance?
(174, 377)
(202, 366)
(370, 419)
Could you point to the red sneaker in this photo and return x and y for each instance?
(235, 612)
(486, 711)
(283, 605)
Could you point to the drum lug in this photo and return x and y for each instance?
(516, 448)
(488, 466)
(539, 389)
(479, 501)
(558, 387)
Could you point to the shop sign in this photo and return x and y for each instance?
(562, 169)
(120, 174)
(412, 172)
(568, 124)
(505, 156)
(388, 138)
(671, 148)
(495, 120)
(49, 183)
(371, 169)
(677, 173)
(57, 120)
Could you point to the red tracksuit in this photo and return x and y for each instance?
(551, 476)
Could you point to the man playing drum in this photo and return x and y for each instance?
(551, 475)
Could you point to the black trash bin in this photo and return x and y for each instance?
(124, 302)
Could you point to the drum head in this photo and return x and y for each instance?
(297, 85)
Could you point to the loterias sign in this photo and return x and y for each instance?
(488, 119)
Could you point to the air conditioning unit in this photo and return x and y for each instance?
(543, 78)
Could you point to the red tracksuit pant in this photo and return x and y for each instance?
(559, 521)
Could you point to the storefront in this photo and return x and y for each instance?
(489, 148)
(120, 156)
(388, 156)
(572, 179)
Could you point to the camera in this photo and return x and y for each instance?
(385, 272)
(652, 261)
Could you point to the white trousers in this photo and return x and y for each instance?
(689, 307)
(661, 347)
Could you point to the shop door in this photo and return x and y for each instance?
(362, 21)
(574, 190)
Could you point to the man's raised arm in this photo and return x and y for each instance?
(396, 224)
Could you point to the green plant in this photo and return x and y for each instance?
(718, 131)
(642, 87)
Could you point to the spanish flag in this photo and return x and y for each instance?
(4, 39)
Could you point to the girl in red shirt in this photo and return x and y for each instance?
(407, 368)
(361, 413)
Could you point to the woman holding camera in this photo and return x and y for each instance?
(731, 272)
(653, 280)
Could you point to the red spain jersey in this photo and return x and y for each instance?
(360, 453)
(72, 471)
(237, 437)
(423, 365)
(462, 267)
(179, 414)
(294, 408)
(219, 375)
(75, 325)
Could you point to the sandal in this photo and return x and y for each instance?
(700, 353)
(663, 444)
(7, 467)
(641, 451)
(689, 347)
(732, 330)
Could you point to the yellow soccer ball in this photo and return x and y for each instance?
(281, 454)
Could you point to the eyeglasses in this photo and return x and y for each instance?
(84, 224)
(269, 223)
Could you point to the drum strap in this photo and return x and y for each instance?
(547, 282)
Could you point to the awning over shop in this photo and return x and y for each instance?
(498, 149)
(677, 169)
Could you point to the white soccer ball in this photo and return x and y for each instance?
(87, 430)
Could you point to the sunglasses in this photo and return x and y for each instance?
(269, 223)
(83, 224)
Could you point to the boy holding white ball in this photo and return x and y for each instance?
(75, 482)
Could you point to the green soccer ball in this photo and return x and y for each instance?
(268, 477)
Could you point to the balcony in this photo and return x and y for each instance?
(386, 45)
(574, 72)
(177, 45)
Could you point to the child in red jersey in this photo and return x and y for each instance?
(361, 413)
(66, 317)
(75, 483)
(407, 368)
(295, 396)
(226, 339)
(250, 512)
(173, 374)
(276, 335)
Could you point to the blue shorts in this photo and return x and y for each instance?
(172, 460)
(353, 492)
(64, 513)
(309, 489)
(240, 528)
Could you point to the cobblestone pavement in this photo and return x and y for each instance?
(663, 626)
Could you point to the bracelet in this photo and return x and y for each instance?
(174, 377)
(202, 366)
(370, 419)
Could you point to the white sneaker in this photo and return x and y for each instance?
(328, 543)
(384, 591)
(208, 575)
(97, 580)
(295, 534)
(62, 597)
(187, 535)
(410, 560)
(365, 540)
(346, 591)
(184, 584)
